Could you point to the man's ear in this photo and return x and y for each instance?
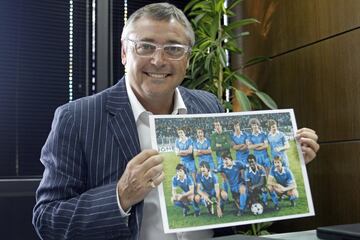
(123, 53)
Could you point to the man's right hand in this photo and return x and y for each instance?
(142, 174)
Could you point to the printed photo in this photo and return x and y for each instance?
(230, 169)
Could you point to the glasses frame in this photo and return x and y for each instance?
(160, 47)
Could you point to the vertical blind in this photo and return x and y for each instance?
(35, 47)
(46, 60)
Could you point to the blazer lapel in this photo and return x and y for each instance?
(122, 122)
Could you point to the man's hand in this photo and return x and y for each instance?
(143, 173)
(308, 141)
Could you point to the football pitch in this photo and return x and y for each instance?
(177, 220)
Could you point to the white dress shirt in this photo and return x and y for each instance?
(152, 226)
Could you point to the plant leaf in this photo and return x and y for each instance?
(240, 23)
(256, 60)
(245, 81)
(233, 4)
(242, 100)
(266, 99)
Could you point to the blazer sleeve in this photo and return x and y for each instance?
(65, 208)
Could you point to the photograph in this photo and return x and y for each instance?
(229, 169)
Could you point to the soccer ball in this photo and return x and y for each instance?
(257, 209)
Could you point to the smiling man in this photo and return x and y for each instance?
(100, 172)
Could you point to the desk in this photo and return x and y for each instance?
(304, 235)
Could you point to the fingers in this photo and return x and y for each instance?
(153, 167)
(143, 173)
(306, 133)
(308, 141)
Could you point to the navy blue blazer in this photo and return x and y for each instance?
(90, 142)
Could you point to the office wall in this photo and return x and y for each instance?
(315, 69)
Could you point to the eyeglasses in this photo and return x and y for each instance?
(171, 51)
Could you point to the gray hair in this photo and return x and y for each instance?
(160, 12)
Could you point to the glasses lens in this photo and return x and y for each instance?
(174, 52)
(145, 49)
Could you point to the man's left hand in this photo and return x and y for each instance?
(308, 141)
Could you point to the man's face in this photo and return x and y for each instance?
(181, 133)
(180, 173)
(204, 170)
(217, 127)
(228, 162)
(237, 127)
(255, 128)
(155, 76)
(252, 163)
(200, 133)
(273, 128)
(278, 164)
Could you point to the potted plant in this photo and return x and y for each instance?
(209, 61)
(210, 69)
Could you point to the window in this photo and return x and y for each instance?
(43, 64)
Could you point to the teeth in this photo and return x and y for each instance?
(157, 75)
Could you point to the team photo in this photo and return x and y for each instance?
(230, 169)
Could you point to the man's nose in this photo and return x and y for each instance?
(158, 57)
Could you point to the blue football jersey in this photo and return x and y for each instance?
(207, 183)
(256, 139)
(183, 184)
(284, 178)
(185, 146)
(278, 139)
(240, 139)
(233, 174)
(205, 145)
(254, 177)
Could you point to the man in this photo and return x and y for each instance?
(239, 143)
(232, 170)
(202, 149)
(278, 142)
(99, 167)
(208, 190)
(186, 184)
(255, 179)
(257, 141)
(220, 143)
(281, 181)
(184, 149)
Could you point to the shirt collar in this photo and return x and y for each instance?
(206, 177)
(282, 170)
(139, 110)
(177, 178)
(274, 134)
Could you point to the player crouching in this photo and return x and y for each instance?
(208, 188)
(232, 170)
(185, 183)
(255, 179)
(281, 181)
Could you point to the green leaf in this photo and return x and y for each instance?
(267, 100)
(256, 60)
(198, 18)
(198, 81)
(245, 81)
(233, 4)
(191, 4)
(208, 60)
(243, 100)
(241, 23)
(222, 56)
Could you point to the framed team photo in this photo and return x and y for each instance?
(229, 169)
